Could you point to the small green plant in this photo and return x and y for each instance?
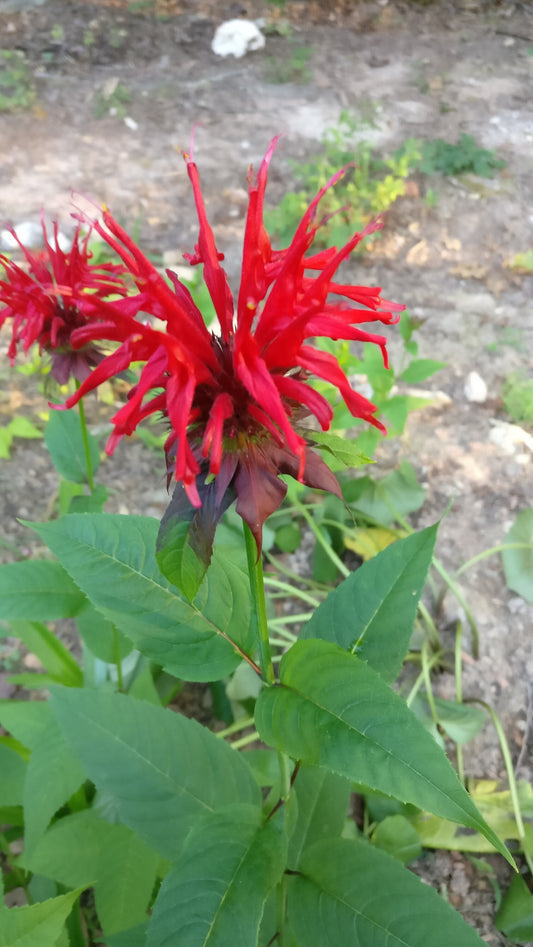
(521, 262)
(369, 187)
(463, 157)
(295, 68)
(112, 101)
(57, 33)
(517, 397)
(16, 88)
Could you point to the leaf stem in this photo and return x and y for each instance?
(118, 662)
(259, 615)
(86, 447)
(235, 727)
(330, 552)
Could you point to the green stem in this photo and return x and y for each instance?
(235, 727)
(86, 446)
(259, 615)
(459, 693)
(118, 662)
(330, 552)
(244, 741)
(291, 590)
(491, 552)
(513, 788)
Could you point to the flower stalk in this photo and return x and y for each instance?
(259, 615)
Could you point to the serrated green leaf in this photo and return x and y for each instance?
(352, 893)
(518, 563)
(373, 610)
(113, 560)
(54, 657)
(38, 590)
(323, 799)
(398, 837)
(333, 710)
(215, 893)
(101, 638)
(397, 492)
(133, 937)
(420, 369)
(53, 772)
(64, 439)
(139, 752)
(515, 916)
(343, 449)
(83, 850)
(36, 925)
(13, 773)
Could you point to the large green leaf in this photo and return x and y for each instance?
(53, 773)
(323, 799)
(163, 769)
(81, 850)
(373, 611)
(515, 916)
(36, 925)
(12, 775)
(215, 893)
(518, 562)
(352, 893)
(112, 558)
(37, 590)
(397, 493)
(64, 439)
(333, 710)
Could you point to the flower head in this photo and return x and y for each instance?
(43, 301)
(237, 400)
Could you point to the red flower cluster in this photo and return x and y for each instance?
(44, 299)
(235, 400)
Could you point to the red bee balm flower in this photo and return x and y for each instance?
(235, 401)
(43, 301)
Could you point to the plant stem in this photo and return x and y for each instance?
(330, 552)
(235, 727)
(459, 693)
(491, 552)
(86, 447)
(259, 615)
(118, 662)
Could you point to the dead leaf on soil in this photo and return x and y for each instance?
(470, 271)
(419, 254)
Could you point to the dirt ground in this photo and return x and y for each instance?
(417, 70)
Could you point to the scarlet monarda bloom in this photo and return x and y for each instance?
(42, 301)
(238, 401)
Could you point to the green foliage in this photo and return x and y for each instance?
(18, 427)
(517, 397)
(463, 157)
(109, 101)
(16, 86)
(292, 68)
(64, 439)
(518, 561)
(369, 187)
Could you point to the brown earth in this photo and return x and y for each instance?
(416, 71)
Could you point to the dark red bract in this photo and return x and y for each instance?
(235, 400)
(42, 301)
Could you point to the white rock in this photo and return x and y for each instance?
(30, 234)
(475, 388)
(236, 38)
(131, 123)
(509, 436)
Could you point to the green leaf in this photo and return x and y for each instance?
(64, 439)
(163, 769)
(333, 710)
(215, 893)
(98, 635)
(373, 611)
(36, 925)
(113, 560)
(13, 770)
(38, 590)
(23, 427)
(420, 369)
(53, 772)
(133, 937)
(343, 449)
(398, 837)
(83, 850)
(397, 492)
(323, 799)
(352, 893)
(288, 537)
(54, 657)
(518, 563)
(462, 722)
(515, 916)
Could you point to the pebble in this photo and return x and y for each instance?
(236, 38)
(475, 388)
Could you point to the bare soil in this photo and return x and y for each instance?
(416, 70)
